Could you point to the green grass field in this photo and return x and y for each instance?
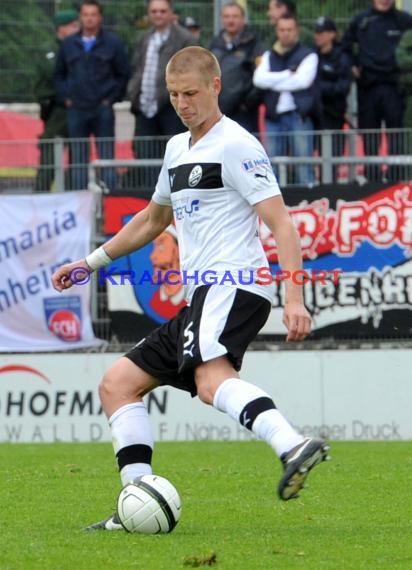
(355, 514)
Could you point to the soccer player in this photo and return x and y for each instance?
(215, 181)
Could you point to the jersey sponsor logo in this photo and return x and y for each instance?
(250, 164)
(186, 210)
(195, 176)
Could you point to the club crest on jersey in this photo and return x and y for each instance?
(195, 176)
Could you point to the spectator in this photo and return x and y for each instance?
(334, 80)
(155, 116)
(374, 34)
(91, 75)
(279, 8)
(177, 16)
(404, 60)
(237, 48)
(193, 27)
(52, 114)
(287, 72)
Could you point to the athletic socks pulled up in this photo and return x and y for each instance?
(255, 410)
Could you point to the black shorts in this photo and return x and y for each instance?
(220, 320)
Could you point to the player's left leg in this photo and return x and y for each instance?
(224, 322)
(218, 384)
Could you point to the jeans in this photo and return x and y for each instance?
(286, 135)
(81, 124)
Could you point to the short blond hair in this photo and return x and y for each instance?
(194, 58)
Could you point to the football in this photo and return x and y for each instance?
(149, 505)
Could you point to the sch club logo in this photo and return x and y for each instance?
(65, 325)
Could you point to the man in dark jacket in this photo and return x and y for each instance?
(155, 116)
(334, 81)
(52, 114)
(375, 34)
(404, 60)
(91, 75)
(237, 48)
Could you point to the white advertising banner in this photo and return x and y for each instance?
(341, 395)
(39, 232)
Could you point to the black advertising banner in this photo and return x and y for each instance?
(357, 247)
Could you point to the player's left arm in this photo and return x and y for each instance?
(276, 216)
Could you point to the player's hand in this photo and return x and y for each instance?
(297, 320)
(71, 274)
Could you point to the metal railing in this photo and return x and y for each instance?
(43, 165)
(282, 163)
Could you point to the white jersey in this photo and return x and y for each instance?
(212, 188)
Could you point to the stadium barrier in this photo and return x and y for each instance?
(341, 395)
(138, 160)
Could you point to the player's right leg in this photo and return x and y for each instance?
(121, 391)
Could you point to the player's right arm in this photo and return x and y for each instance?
(140, 230)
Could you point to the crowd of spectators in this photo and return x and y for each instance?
(284, 91)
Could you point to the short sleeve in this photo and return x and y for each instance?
(247, 169)
(161, 195)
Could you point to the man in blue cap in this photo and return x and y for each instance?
(52, 114)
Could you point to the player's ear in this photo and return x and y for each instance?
(217, 85)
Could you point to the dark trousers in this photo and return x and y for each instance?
(247, 119)
(377, 104)
(151, 136)
(81, 124)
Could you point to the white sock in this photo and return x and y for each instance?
(132, 441)
(254, 408)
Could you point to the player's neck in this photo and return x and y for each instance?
(198, 132)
